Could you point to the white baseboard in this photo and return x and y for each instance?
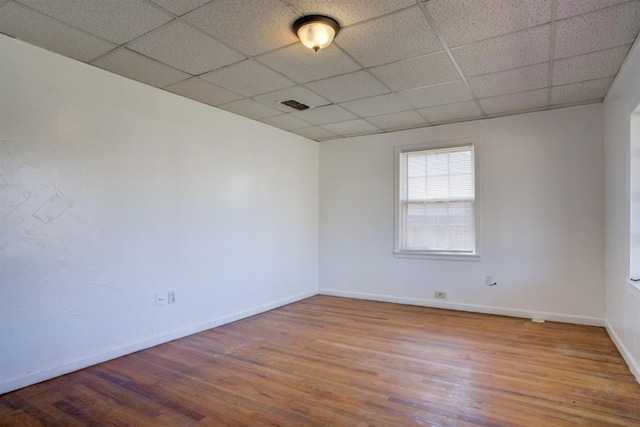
(626, 354)
(33, 378)
(528, 314)
(47, 374)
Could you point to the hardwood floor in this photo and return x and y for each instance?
(336, 361)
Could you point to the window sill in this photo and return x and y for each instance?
(442, 256)
(634, 285)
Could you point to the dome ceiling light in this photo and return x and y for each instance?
(316, 31)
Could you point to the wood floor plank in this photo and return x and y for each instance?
(19, 418)
(337, 361)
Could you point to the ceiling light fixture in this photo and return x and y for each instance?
(316, 31)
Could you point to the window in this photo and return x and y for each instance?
(634, 200)
(436, 202)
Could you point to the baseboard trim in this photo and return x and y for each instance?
(626, 354)
(528, 314)
(47, 374)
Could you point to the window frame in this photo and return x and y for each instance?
(633, 193)
(398, 252)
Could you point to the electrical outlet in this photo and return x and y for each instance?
(488, 280)
(171, 297)
(161, 298)
(440, 294)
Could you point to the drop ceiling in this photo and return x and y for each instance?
(394, 65)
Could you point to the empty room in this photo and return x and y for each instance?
(308, 213)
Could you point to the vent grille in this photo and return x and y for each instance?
(295, 105)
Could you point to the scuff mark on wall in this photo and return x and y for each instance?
(55, 89)
(34, 238)
(106, 286)
(11, 198)
(69, 311)
(5, 147)
(76, 217)
(52, 208)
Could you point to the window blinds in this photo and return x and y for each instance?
(437, 200)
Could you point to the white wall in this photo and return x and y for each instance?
(623, 299)
(111, 190)
(542, 185)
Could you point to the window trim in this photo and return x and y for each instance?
(633, 188)
(437, 255)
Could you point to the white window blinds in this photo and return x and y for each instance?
(437, 200)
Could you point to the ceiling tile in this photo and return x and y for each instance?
(348, 87)
(502, 47)
(303, 65)
(514, 50)
(351, 127)
(316, 133)
(324, 115)
(377, 105)
(248, 78)
(602, 29)
(403, 119)
(250, 108)
(116, 20)
(180, 7)
(605, 63)
(352, 11)
(416, 72)
(583, 91)
(182, 47)
(202, 91)
(285, 121)
(446, 93)
(467, 21)
(141, 68)
(511, 81)
(515, 102)
(450, 112)
(401, 35)
(297, 93)
(250, 26)
(33, 27)
(567, 8)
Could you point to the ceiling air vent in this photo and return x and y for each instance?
(295, 104)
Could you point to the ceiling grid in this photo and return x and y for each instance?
(552, 48)
(393, 65)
